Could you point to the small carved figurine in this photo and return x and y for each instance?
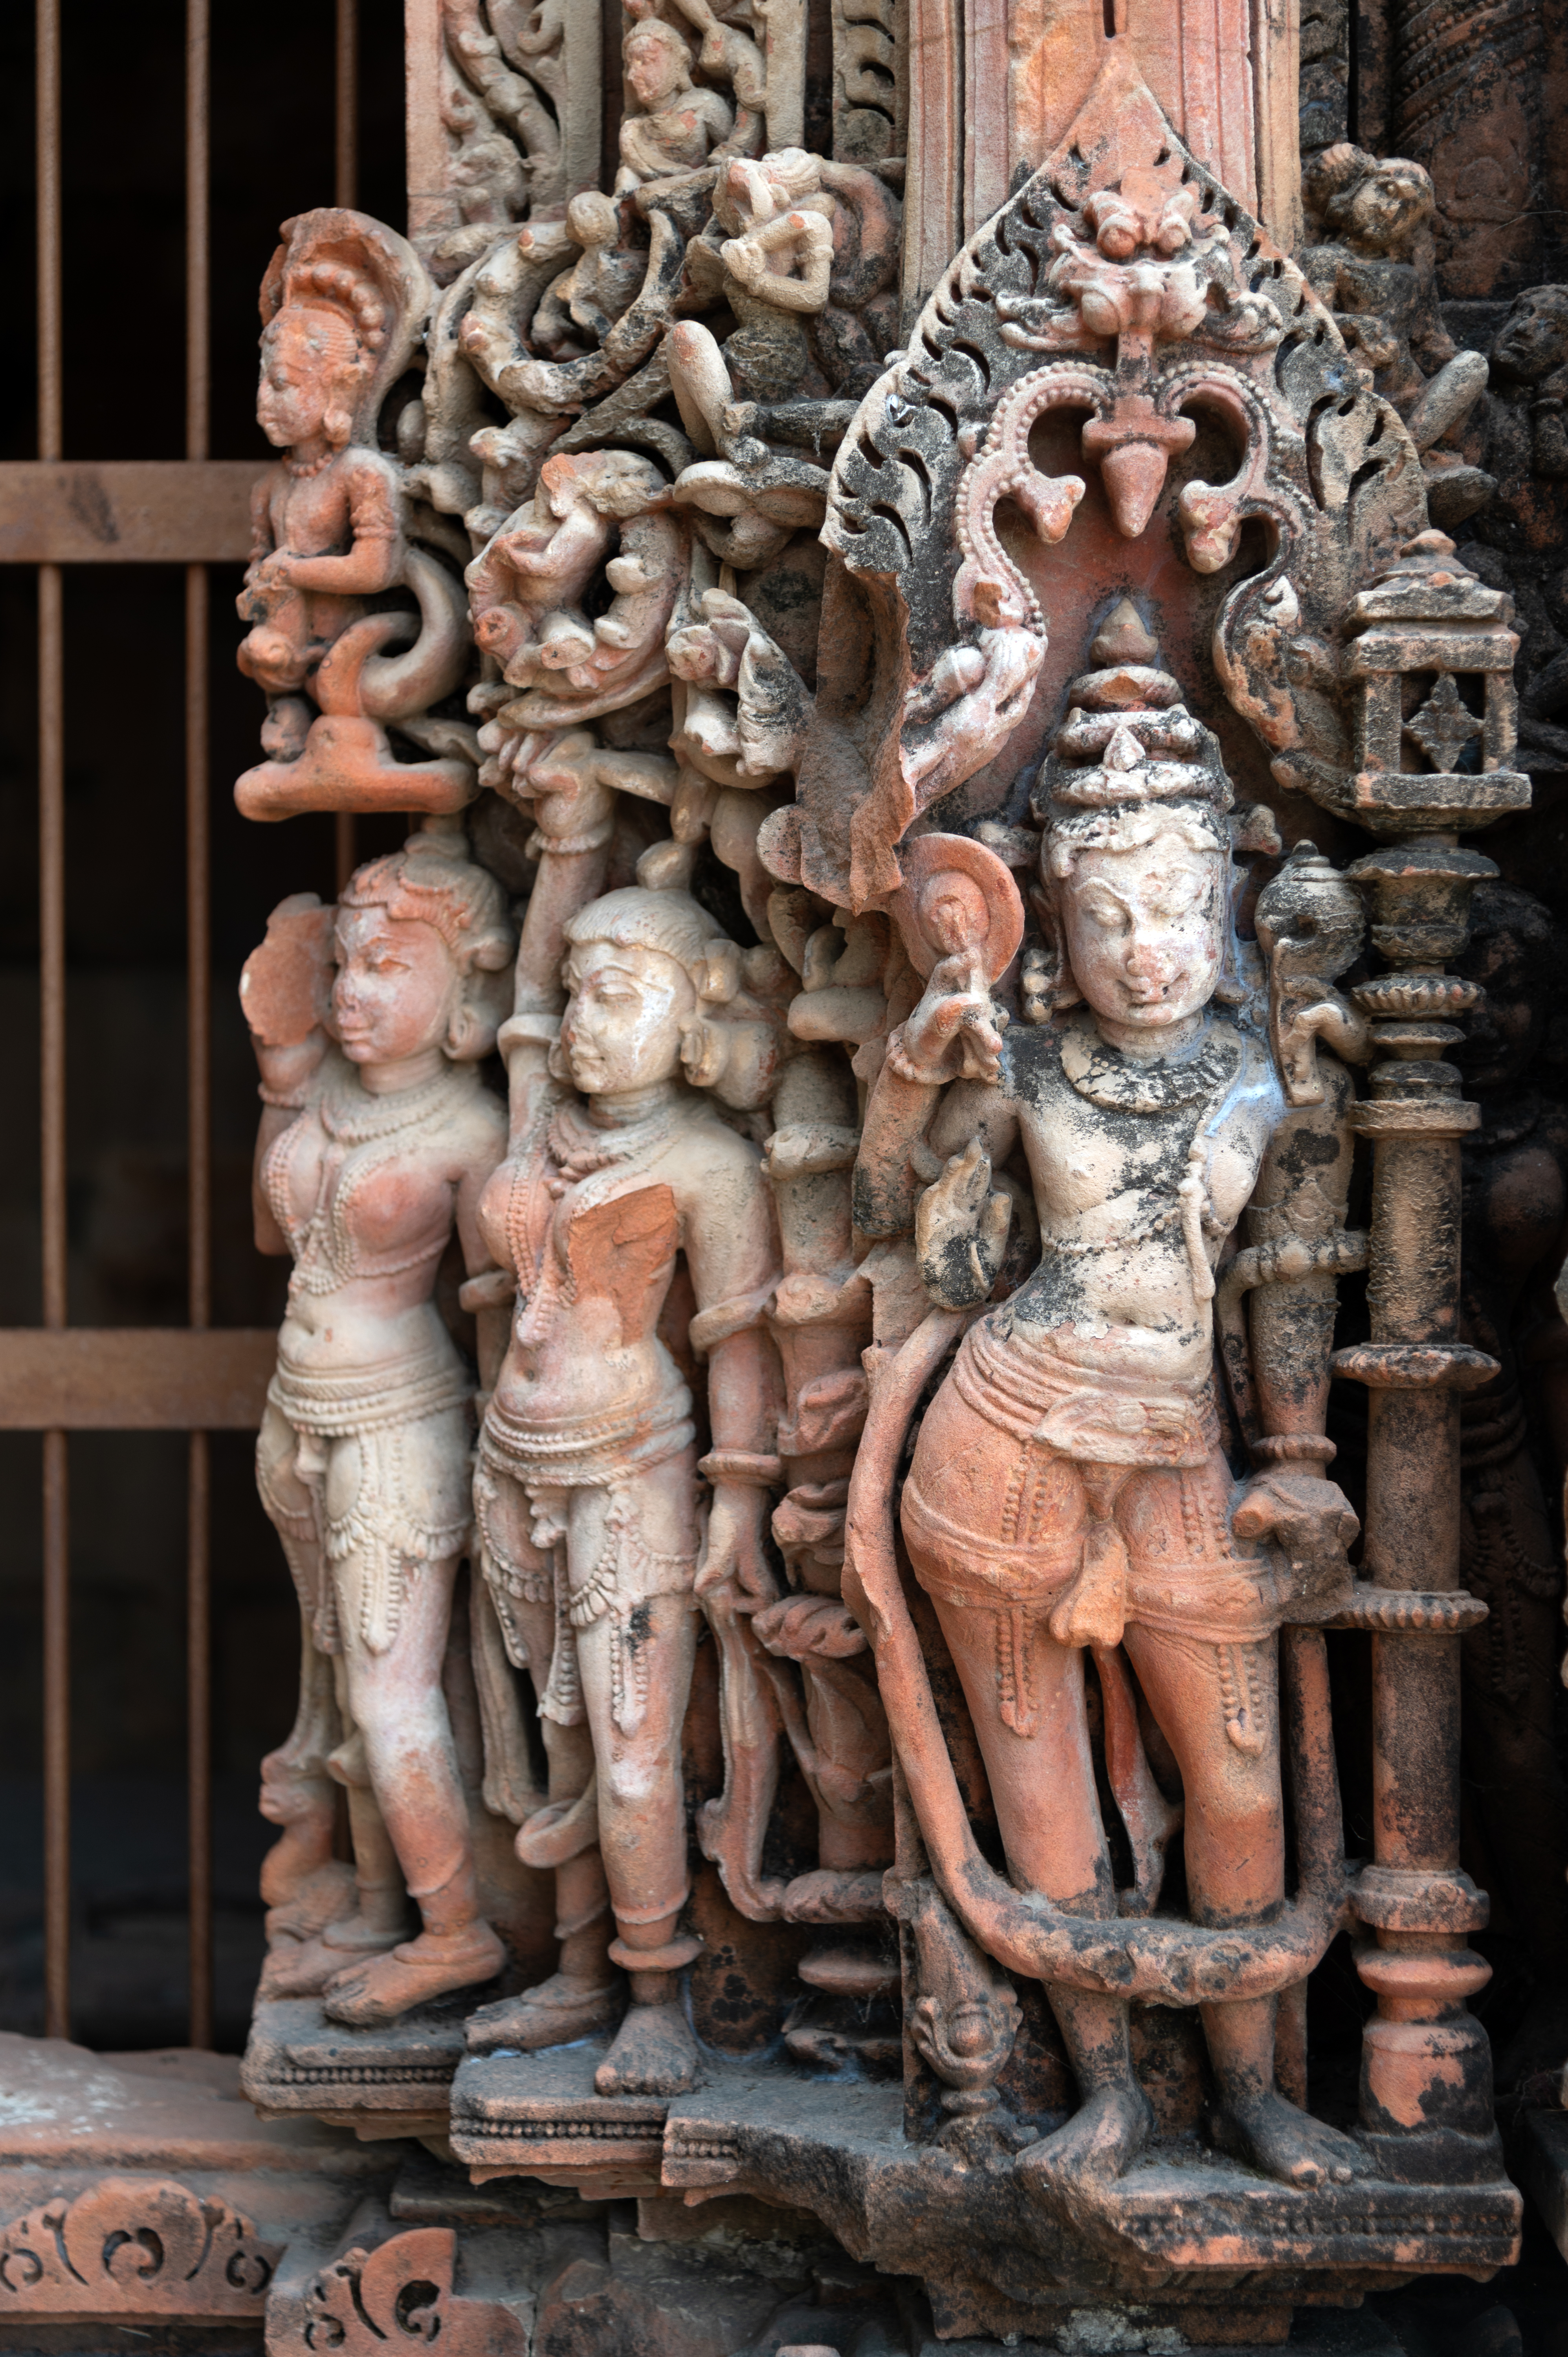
(377, 1140)
(1374, 267)
(1518, 435)
(1068, 1493)
(676, 127)
(344, 302)
(587, 1491)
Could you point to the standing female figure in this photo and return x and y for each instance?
(587, 1494)
(375, 1141)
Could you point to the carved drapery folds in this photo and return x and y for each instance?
(940, 1065)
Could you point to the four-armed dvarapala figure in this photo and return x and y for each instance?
(1068, 1492)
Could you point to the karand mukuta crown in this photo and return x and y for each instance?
(1127, 737)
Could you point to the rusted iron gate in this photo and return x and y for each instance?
(55, 1379)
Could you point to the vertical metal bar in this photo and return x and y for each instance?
(347, 141)
(347, 157)
(198, 1031)
(51, 1050)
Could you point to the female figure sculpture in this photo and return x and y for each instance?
(375, 1142)
(587, 1496)
(1068, 1490)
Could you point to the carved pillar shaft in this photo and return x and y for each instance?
(1427, 2066)
(1472, 101)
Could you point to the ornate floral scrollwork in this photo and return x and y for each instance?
(133, 2246)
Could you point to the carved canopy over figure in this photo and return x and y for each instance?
(1120, 284)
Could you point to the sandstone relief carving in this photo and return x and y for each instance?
(994, 1356)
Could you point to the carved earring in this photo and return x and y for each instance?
(339, 427)
(465, 1034)
(702, 1055)
(556, 1062)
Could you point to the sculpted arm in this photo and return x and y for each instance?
(1296, 1245)
(492, 1315)
(733, 1256)
(285, 992)
(375, 560)
(951, 1035)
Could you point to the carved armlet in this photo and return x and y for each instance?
(742, 1311)
(532, 1028)
(747, 1467)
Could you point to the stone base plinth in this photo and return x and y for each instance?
(379, 2082)
(1183, 2231)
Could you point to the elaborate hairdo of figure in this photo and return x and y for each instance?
(661, 34)
(356, 293)
(1128, 765)
(1331, 179)
(789, 172)
(730, 1045)
(432, 881)
(328, 337)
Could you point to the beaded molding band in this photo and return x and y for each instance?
(563, 845)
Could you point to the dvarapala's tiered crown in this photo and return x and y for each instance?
(1128, 738)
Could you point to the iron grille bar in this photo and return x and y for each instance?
(199, 1017)
(51, 1052)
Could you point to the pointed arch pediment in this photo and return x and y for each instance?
(1122, 281)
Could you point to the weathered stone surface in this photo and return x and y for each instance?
(908, 1672)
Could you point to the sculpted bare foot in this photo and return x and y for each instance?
(1068, 2172)
(1287, 2143)
(654, 2054)
(326, 1897)
(559, 2010)
(306, 1967)
(366, 1996)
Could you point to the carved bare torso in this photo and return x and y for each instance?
(1114, 1272)
(593, 1236)
(350, 505)
(364, 1190)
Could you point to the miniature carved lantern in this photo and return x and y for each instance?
(1428, 614)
